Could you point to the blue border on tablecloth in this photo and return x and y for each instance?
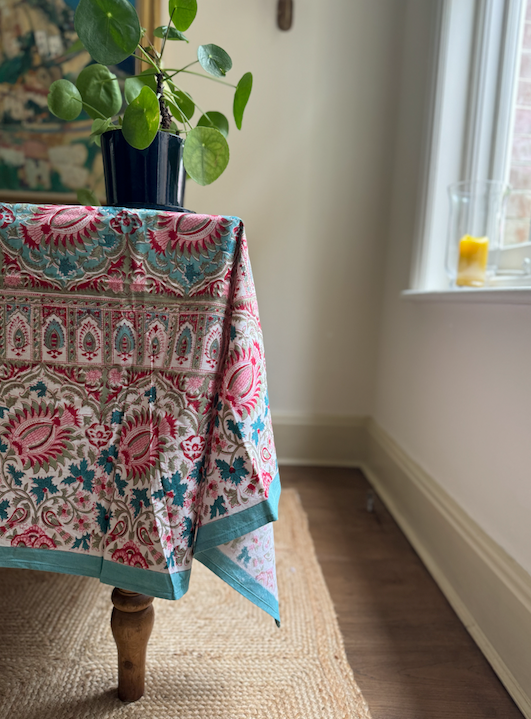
(226, 529)
(155, 584)
(238, 578)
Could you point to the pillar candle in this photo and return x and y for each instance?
(473, 254)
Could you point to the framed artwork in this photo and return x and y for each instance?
(43, 159)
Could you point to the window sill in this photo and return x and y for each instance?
(489, 295)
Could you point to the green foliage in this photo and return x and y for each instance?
(133, 85)
(100, 91)
(170, 33)
(206, 154)
(214, 60)
(87, 197)
(215, 119)
(110, 31)
(183, 105)
(64, 100)
(241, 97)
(183, 13)
(142, 119)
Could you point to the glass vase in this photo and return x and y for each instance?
(477, 212)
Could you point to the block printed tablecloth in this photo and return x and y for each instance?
(135, 431)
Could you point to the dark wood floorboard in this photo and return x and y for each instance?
(411, 656)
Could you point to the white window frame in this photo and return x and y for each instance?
(470, 116)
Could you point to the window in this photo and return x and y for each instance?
(478, 127)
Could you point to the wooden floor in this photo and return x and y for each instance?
(410, 654)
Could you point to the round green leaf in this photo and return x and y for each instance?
(214, 60)
(132, 88)
(100, 91)
(142, 119)
(182, 13)
(87, 197)
(215, 119)
(241, 96)
(183, 101)
(134, 85)
(75, 47)
(206, 154)
(173, 34)
(109, 29)
(100, 126)
(64, 100)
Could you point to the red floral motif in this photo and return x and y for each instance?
(116, 284)
(93, 378)
(193, 447)
(39, 434)
(99, 435)
(33, 537)
(66, 226)
(266, 480)
(196, 234)
(267, 578)
(141, 441)
(125, 223)
(13, 280)
(117, 378)
(143, 537)
(19, 515)
(266, 454)
(243, 379)
(6, 216)
(130, 554)
(119, 530)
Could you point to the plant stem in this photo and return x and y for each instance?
(182, 68)
(166, 33)
(95, 110)
(149, 58)
(165, 116)
(207, 77)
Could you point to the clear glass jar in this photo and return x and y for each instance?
(477, 213)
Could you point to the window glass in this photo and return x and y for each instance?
(517, 225)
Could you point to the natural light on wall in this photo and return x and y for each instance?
(478, 129)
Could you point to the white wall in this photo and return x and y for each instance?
(310, 176)
(453, 380)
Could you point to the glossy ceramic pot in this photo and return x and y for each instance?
(153, 178)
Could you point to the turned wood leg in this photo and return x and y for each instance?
(131, 623)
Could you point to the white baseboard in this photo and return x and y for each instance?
(488, 590)
(320, 440)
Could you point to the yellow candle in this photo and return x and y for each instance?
(473, 253)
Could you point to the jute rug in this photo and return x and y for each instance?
(212, 654)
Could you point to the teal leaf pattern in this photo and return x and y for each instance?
(43, 487)
(82, 474)
(235, 472)
(218, 508)
(4, 504)
(82, 542)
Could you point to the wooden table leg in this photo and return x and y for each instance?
(131, 623)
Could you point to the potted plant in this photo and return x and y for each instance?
(148, 142)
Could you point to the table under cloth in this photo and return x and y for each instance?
(135, 431)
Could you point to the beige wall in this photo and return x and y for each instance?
(453, 380)
(325, 174)
(309, 174)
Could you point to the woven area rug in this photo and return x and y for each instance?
(212, 654)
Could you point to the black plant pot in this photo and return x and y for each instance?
(153, 178)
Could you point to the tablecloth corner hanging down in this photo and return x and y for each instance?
(135, 431)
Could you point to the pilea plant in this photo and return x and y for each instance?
(154, 100)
